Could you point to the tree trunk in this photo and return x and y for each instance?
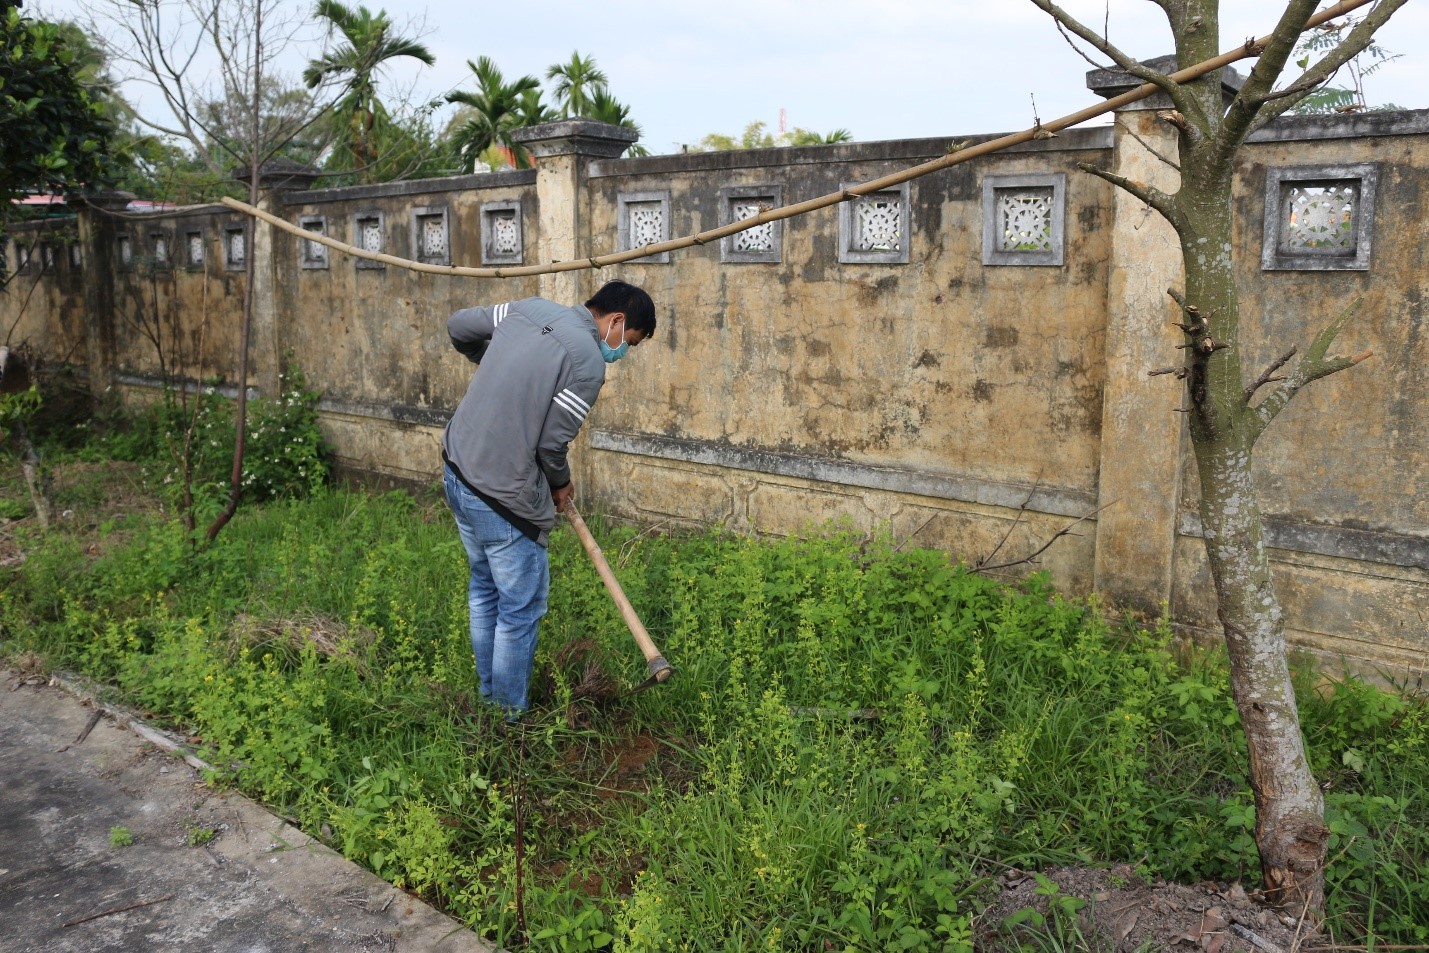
(36, 477)
(1289, 822)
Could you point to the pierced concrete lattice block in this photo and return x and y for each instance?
(762, 243)
(235, 245)
(1024, 219)
(501, 242)
(1319, 218)
(643, 218)
(193, 249)
(313, 255)
(367, 228)
(876, 228)
(430, 237)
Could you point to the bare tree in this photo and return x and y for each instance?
(1225, 419)
(207, 59)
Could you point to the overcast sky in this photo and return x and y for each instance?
(886, 70)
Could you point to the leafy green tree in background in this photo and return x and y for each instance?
(360, 120)
(284, 123)
(757, 136)
(606, 108)
(54, 133)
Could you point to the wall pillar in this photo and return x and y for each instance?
(563, 151)
(1142, 436)
(97, 242)
(265, 354)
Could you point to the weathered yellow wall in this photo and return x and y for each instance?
(949, 402)
(1342, 470)
(940, 368)
(43, 309)
(195, 313)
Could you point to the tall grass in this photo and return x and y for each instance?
(319, 649)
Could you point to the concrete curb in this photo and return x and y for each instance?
(261, 886)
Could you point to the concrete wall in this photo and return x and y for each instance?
(939, 391)
(44, 306)
(954, 402)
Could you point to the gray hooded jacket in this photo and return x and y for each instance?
(540, 373)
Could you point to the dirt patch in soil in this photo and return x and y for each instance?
(1124, 913)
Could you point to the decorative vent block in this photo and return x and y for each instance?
(1319, 218)
(235, 248)
(159, 249)
(313, 254)
(429, 235)
(762, 243)
(643, 218)
(875, 228)
(501, 241)
(367, 232)
(193, 250)
(1024, 219)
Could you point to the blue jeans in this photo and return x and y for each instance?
(510, 576)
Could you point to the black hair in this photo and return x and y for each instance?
(629, 300)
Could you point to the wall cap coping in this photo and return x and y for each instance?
(1388, 122)
(109, 200)
(1070, 140)
(1109, 83)
(280, 173)
(582, 137)
(450, 183)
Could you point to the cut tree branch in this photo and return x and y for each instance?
(1265, 375)
(1150, 194)
(1310, 368)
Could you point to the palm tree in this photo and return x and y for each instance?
(530, 110)
(577, 83)
(805, 137)
(369, 44)
(604, 107)
(493, 111)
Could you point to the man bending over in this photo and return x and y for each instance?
(542, 365)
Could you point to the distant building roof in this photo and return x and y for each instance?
(144, 205)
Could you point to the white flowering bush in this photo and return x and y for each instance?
(286, 454)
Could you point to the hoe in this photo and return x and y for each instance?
(659, 669)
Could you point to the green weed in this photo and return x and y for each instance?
(856, 734)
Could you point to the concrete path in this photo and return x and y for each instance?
(261, 886)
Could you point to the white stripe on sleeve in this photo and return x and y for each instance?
(585, 408)
(569, 405)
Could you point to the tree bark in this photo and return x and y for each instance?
(1289, 827)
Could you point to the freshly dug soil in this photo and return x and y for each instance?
(1124, 913)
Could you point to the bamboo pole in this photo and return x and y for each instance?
(1250, 48)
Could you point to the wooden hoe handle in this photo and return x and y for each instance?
(660, 670)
